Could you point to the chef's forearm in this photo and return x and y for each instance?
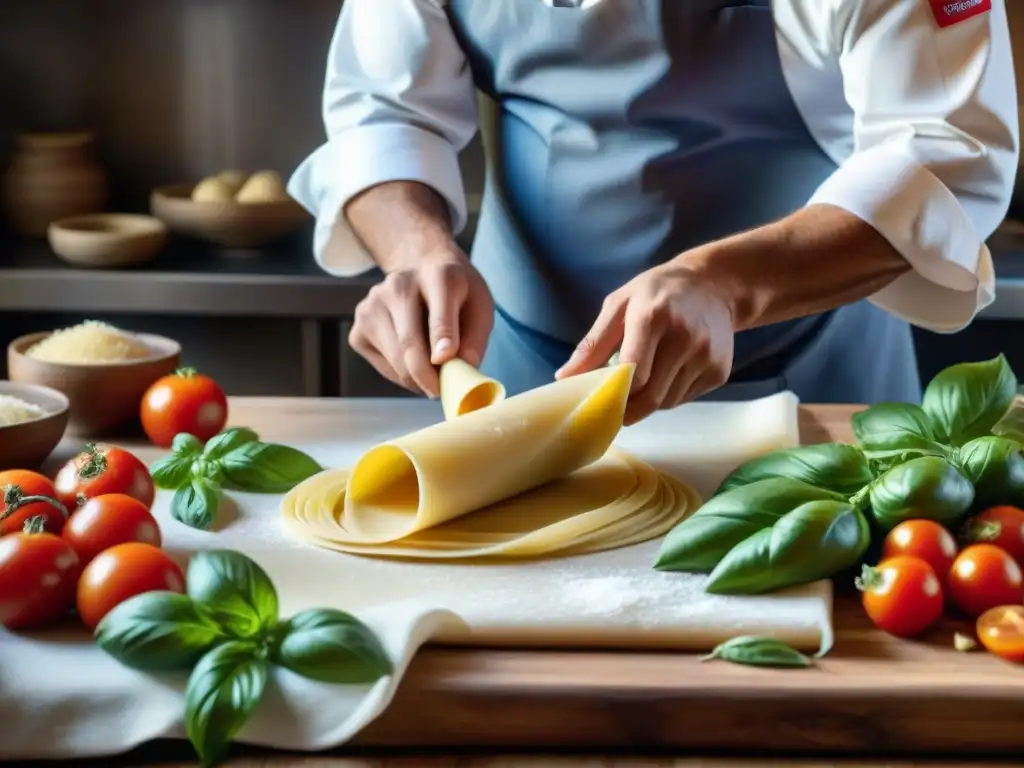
(817, 259)
(400, 222)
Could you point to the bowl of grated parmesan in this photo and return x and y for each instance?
(32, 422)
(102, 370)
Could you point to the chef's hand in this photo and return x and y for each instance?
(421, 317)
(673, 325)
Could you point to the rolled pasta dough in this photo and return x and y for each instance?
(529, 476)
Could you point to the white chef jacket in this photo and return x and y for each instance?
(921, 121)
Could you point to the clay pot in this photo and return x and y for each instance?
(52, 176)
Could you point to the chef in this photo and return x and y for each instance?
(738, 196)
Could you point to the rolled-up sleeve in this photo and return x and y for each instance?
(399, 104)
(936, 143)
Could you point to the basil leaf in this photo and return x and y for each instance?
(235, 590)
(814, 541)
(757, 651)
(995, 467)
(698, 543)
(267, 468)
(171, 472)
(157, 631)
(332, 647)
(968, 399)
(835, 466)
(185, 444)
(1011, 426)
(221, 694)
(928, 487)
(889, 429)
(207, 469)
(222, 444)
(196, 504)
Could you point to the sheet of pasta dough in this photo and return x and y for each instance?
(609, 599)
(64, 698)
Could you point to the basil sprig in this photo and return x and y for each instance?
(235, 590)
(812, 542)
(700, 542)
(222, 692)
(330, 646)
(967, 400)
(835, 467)
(266, 467)
(196, 503)
(227, 631)
(1011, 425)
(758, 651)
(927, 486)
(802, 514)
(995, 467)
(158, 631)
(889, 431)
(234, 459)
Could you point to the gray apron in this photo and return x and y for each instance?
(631, 131)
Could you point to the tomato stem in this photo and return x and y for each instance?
(14, 499)
(186, 373)
(978, 531)
(35, 525)
(869, 578)
(95, 463)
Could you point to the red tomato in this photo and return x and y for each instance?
(99, 470)
(122, 572)
(924, 539)
(38, 572)
(1001, 631)
(106, 521)
(902, 595)
(30, 484)
(984, 576)
(185, 401)
(1002, 526)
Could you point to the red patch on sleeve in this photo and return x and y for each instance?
(950, 12)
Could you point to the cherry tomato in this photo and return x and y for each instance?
(122, 572)
(1001, 631)
(38, 572)
(99, 470)
(984, 576)
(185, 401)
(924, 539)
(30, 484)
(901, 595)
(1002, 526)
(106, 521)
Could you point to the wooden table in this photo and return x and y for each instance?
(872, 695)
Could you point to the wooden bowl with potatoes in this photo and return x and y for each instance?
(231, 209)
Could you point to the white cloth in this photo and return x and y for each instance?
(922, 121)
(61, 697)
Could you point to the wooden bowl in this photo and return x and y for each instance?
(231, 224)
(102, 396)
(26, 445)
(107, 239)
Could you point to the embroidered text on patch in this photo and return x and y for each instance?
(950, 12)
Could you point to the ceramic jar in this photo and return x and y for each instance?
(52, 175)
